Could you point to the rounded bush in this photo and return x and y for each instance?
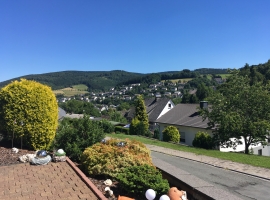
(171, 134)
(111, 158)
(74, 135)
(136, 179)
(203, 140)
(29, 111)
(107, 126)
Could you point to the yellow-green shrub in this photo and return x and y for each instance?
(29, 110)
(171, 134)
(109, 159)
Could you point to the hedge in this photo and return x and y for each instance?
(121, 129)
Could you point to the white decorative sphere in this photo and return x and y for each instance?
(150, 194)
(164, 197)
(60, 151)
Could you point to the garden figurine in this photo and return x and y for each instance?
(124, 198)
(59, 156)
(175, 194)
(41, 158)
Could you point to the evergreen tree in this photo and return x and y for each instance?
(140, 113)
(29, 113)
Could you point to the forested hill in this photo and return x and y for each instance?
(103, 80)
(95, 80)
(171, 75)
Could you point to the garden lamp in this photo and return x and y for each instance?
(150, 194)
(164, 197)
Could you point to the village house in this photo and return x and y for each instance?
(173, 89)
(186, 118)
(155, 108)
(168, 94)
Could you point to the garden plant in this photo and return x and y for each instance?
(171, 134)
(28, 114)
(112, 157)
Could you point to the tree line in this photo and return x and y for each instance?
(103, 80)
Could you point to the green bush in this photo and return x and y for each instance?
(156, 134)
(171, 134)
(106, 126)
(133, 126)
(137, 127)
(149, 134)
(203, 140)
(109, 159)
(116, 116)
(29, 110)
(137, 179)
(118, 128)
(125, 130)
(74, 135)
(80, 107)
(122, 130)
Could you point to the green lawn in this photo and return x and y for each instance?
(255, 160)
(80, 87)
(209, 76)
(183, 80)
(224, 75)
(72, 91)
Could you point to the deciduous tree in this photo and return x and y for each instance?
(240, 111)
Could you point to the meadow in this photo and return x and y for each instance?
(72, 91)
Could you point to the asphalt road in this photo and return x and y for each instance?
(243, 186)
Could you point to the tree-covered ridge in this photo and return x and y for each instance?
(157, 77)
(211, 71)
(95, 80)
(102, 80)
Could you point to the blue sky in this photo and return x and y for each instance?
(142, 36)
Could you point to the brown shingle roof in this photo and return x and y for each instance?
(184, 115)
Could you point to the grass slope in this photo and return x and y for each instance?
(254, 160)
(72, 91)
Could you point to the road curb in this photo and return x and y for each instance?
(253, 175)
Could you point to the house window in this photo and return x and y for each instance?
(182, 136)
(169, 106)
(260, 152)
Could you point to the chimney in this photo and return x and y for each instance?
(158, 96)
(203, 104)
